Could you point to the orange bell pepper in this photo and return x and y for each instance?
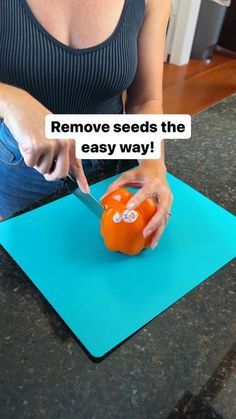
(122, 229)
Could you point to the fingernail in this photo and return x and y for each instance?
(83, 188)
(130, 205)
(87, 188)
(147, 233)
(154, 246)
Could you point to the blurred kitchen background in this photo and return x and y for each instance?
(200, 56)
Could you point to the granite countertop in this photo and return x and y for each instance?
(181, 365)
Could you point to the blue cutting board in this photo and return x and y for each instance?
(105, 297)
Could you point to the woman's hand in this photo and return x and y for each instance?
(25, 118)
(150, 177)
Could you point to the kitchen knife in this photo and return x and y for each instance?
(86, 198)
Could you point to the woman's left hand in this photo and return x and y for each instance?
(150, 177)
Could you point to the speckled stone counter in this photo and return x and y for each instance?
(181, 365)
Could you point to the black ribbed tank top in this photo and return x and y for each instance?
(64, 79)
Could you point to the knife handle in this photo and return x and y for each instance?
(70, 181)
(71, 178)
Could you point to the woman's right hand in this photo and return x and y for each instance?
(25, 118)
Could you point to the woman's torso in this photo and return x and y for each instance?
(73, 71)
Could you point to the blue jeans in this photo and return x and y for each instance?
(21, 185)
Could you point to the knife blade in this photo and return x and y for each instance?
(87, 199)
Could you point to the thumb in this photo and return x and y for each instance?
(121, 181)
(126, 179)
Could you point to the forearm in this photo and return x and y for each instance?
(151, 107)
(8, 95)
(5, 93)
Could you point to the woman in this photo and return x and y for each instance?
(72, 56)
